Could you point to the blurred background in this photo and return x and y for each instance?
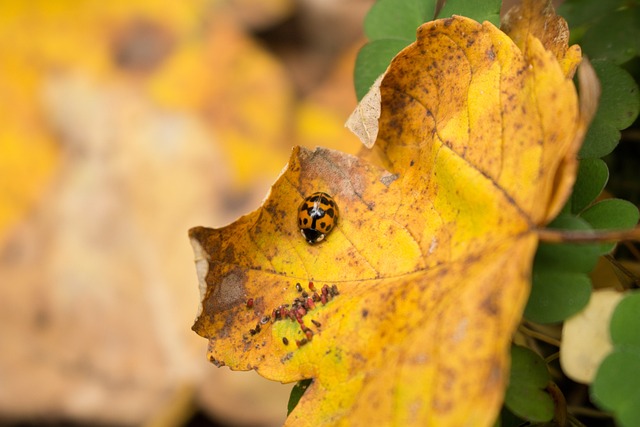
(122, 125)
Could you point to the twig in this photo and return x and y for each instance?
(632, 278)
(634, 251)
(539, 336)
(550, 358)
(589, 412)
(550, 235)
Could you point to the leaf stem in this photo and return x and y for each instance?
(631, 248)
(632, 279)
(550, 358)
(539, 336)
(550, 235)
(588, 412)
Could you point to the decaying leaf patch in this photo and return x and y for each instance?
(416, 293)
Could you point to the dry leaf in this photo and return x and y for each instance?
(585, 336)
(538, 19)
(428, 269)
(364, 120)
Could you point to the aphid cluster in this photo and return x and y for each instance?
(263, 321)
(296, 311)
(302, 305)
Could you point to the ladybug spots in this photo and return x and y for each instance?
(317, 216)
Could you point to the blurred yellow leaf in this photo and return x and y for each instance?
(28, 155)
(320, 117)
(239, 89)
(586, 340)
(262, 13)
(27, 160)
(42, 38)
(109, 178)
(428, 269)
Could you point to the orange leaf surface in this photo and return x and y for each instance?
(430, 260)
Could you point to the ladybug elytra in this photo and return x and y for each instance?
(317, 216)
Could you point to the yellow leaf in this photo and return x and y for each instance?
(431, 255)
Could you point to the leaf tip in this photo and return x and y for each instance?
(363, 122)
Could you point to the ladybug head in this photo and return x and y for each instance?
(312, 236)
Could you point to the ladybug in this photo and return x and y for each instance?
(317, 216)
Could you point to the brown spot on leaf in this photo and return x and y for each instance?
(388, 178)
(228, 292)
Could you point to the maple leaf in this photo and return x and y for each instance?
(423, 281)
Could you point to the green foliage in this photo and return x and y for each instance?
(372, 61)
(593, 175)
(526, 396)
(609, 34)
(561, 285)
(611, 214)
(296, 394)
(607, 30)
(621, 36)
(623, 335)
(618, 108)
(615, 387)
(479, 10)
(391, 25)
(581, 14)
(556, 295)
(397, 19)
